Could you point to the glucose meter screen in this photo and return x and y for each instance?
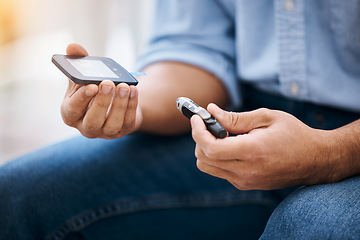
(92, 68)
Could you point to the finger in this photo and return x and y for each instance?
(213, 148)
(205, 141)
(243, 122)
(231, 165)
(76, 49)
(115, 118)
(199, 131)
(214, 171)
(74, 107)
(240, 187)
(72, 88)
(96, 114)
(238, 181)
(240, 147)
(129, 121)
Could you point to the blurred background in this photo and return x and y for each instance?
(31, 88)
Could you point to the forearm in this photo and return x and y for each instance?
(344, 149)
(164, 83)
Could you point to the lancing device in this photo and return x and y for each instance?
(188, 107)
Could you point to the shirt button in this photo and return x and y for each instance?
(294, 88)
(289, 5)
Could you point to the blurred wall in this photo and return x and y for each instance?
(31, 88)
(7, 21)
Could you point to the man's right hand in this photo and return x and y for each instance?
(104, 111)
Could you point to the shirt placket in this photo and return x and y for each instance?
(290, 25)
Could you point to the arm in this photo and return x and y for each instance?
(120, 110)
(345, 151)
(275, 150)
(166, 82)
(180, 33)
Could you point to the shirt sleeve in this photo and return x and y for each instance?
(195, 32)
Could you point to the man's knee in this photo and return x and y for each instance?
(328, 211)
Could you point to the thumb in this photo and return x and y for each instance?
(76, 49)
(240, 122)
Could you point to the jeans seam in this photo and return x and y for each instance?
(152, 203)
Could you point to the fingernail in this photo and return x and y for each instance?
(193, 120)
(106, 89)
(132, 93)
(218, 111)
(123, 92)
(88, 93)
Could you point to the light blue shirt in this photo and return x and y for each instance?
(302, 49)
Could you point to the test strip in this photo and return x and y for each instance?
(138, 73)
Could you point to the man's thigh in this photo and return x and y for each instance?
(137, 186)
(329, 211)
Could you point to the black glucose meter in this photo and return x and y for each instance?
(92, 70)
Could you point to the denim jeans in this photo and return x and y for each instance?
(330, 211)
(148, 187)
(137, 187)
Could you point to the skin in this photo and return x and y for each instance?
(273, 149)
(109, 111)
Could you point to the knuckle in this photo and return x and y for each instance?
(264, 110)
(251, 175)
(129, 124)
(102, 103)
(242, 184)
(198, 153)
(238, 184)
(242, 187)
(132, 103)
(123, 104)
(266, 113)
(88, 134)
(90, 127)
(250, 179)
(68, 121)
(111, 132)
(68, 109)
(200, 166)
(195, 133)
(72, 111)
(259, 154)
(234, 119)
(211, 152)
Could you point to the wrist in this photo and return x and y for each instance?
(342, 152)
